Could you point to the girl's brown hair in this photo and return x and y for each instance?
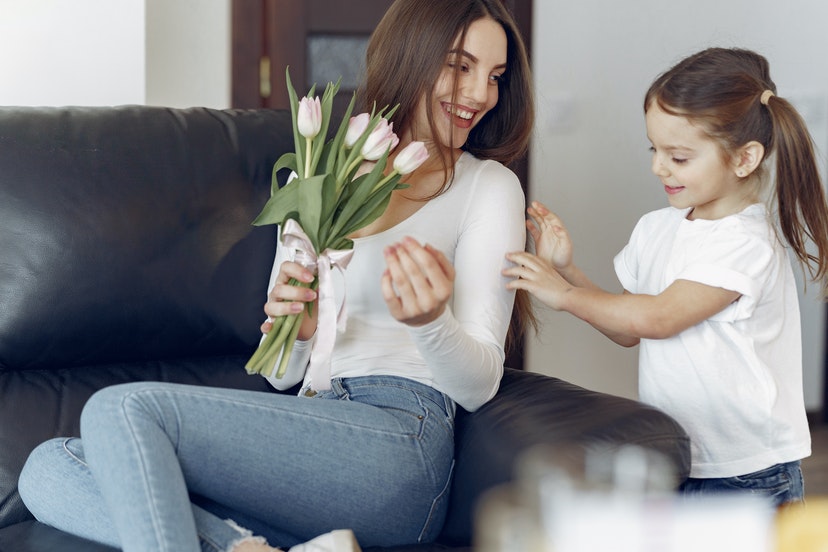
(721, 89)
(405, 57)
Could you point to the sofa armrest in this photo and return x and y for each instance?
(533, 409)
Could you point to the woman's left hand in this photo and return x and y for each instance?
(417, 283)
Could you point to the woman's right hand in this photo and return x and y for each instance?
(285, 299)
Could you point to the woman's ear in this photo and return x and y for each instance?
(748, 159)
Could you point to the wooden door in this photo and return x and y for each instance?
(319, 40)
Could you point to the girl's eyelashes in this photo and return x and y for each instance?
(676, 160)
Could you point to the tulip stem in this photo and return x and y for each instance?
(288, 346)
(265, 357)
(308, 148)
(351, 167)
(278, 340)
(385, 180)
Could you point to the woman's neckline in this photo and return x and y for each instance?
(460, 159)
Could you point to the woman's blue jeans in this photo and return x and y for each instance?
(374, 454)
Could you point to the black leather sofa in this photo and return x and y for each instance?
(127, 253)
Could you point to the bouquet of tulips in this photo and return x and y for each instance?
(326, 201)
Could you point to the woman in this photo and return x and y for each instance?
(428, 317)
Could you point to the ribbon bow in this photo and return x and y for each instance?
(329, 321)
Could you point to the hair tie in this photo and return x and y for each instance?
(765, 97)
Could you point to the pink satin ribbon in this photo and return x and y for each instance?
(329, 320)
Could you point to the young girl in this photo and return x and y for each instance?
(428, 317)
(708, 287)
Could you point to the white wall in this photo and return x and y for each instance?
(80, 52)
(188, 53)
(110, 52)
(593, 61)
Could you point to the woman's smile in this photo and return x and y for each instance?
(462, 117)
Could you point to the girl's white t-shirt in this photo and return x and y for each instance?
(475, 223)
(734, 381)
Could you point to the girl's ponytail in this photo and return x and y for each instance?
(799, 194)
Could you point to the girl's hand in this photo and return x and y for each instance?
(552, 243)
(286, 299)
(417, 283)
(538, 277)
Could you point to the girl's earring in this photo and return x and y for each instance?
(740, 174)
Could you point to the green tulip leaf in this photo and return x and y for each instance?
(370, 209)
(310, 206)
(329, 204)
(361, 190)
(334, 157)
(281, 202)
(286, 161)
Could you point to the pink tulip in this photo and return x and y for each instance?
(356, 127)
(381, 139)
(410, 158)
(309, 117)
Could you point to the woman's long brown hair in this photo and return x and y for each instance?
(405, 57)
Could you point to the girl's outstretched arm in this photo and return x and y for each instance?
(553, 246)
(625, 318)
(542, 280)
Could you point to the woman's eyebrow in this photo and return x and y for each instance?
(464, 53)
(472, 57)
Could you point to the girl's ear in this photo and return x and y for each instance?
(748, 158)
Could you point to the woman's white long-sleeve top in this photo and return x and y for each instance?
(461, 353)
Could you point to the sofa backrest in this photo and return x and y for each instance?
(126, 252)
